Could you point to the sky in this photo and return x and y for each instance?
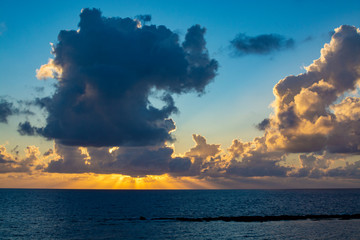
(179, 94)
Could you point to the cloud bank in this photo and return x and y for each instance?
(243, 162)
(245, 159)
(132, 161)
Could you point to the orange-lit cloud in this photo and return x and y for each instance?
(49, 70)
(307, 116)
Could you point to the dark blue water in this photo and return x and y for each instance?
(110, 214)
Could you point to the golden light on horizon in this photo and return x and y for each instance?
(101, 181)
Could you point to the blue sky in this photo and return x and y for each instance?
(237, 99)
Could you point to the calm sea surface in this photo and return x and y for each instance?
(112, 214)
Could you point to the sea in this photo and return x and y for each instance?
(180, 214)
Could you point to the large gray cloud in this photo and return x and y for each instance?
(261, 44)
(106, 72)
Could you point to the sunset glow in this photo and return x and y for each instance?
(209, 96)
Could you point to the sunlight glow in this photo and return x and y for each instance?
(113, 149)
(101, 181)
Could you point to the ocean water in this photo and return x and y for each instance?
(177, 214)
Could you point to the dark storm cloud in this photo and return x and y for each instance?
(107, 70)
(261, 44)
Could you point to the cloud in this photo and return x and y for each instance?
(313, 110)
(143, 19)
(106, 72)
(261, 44)
(27, 164)
(25, 128)
(204, 157)
(6, 110)
(312, 165)
(132, 161)
(242, 163)
(49, 70)
(48, 152)
(202, 149)
(263, 124)
(70, 160)
(351, 170)
(243, 159)
(319, 166)
(250, 159)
